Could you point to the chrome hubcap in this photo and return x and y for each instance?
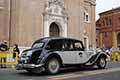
(102, 62)
(53, 66)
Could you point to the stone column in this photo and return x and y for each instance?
(114, 40)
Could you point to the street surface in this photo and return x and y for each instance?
(112, 72)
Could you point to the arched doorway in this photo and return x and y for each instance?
(54, 30)
(118, 40)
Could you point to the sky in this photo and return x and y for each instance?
(104, 5)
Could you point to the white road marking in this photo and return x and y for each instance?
(83, 73)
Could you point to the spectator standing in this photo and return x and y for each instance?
(111, 50)
(3, 47)
(15, 51)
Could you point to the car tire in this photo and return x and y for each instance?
(101, 63)
(52, 66)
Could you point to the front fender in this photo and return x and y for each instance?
(49, 56)
(45, 57)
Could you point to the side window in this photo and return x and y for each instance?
(78, 46)
(55, 45)
(67, 46)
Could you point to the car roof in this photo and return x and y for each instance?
(57, 38)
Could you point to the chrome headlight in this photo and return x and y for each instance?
(28, 53)
(25, 55)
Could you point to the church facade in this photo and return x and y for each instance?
(24, 21)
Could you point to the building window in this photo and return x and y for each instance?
(106, 21)
(86, 16)
(103, 22)
(106, 34)
(110, 22)
(119, 20)
(97, 32)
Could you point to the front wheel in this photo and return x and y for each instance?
(101, 63)
(53, 66)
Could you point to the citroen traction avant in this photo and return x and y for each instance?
(52, 53)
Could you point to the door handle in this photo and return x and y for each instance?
(80, 54)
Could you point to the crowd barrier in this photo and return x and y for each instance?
(115, 57)
(6, 57)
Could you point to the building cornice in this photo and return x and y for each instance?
(112, 11)
(45, 13)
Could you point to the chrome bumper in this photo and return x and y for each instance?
(23, 66)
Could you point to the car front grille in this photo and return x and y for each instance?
(34, 57)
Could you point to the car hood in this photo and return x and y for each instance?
(29, 52)
(32, 49)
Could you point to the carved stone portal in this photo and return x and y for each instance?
(55, 13)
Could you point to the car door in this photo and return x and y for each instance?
(67, 54)
(81, 55)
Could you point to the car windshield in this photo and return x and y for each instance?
(38, 45)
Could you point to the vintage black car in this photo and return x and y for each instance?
(52, 53)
